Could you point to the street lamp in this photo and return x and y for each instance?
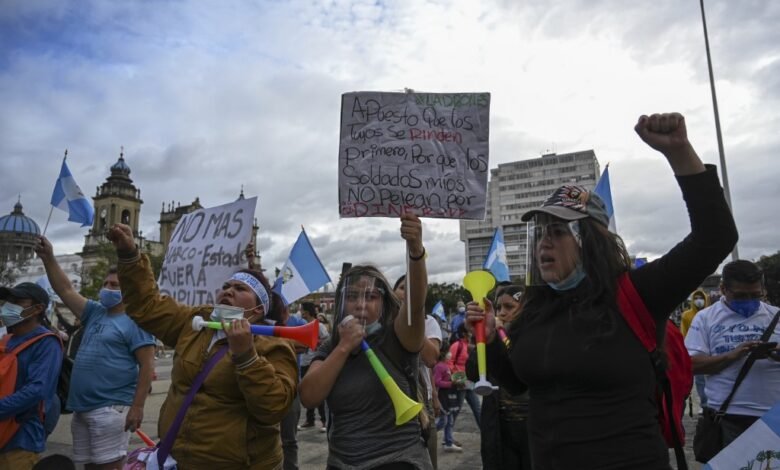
(724, 173)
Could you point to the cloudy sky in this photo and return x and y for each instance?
(206, 96)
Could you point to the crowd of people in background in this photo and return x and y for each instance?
(575, 388)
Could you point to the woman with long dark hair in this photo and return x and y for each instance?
(591, 382)
(362, 433)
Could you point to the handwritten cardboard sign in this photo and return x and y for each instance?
(206, 248)
(421, 152)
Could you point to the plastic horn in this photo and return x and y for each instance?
(479, 283)
(307, 334)
(147, 440)
(405, 407)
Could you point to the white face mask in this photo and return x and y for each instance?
(699, 303)
(227, 313)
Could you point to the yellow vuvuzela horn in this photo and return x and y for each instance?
(405, 407)
(479, 283)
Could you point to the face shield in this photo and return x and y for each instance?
(362, 296)
(554, 250)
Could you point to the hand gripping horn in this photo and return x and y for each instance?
(307, 334)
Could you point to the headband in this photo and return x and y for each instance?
(256, 286)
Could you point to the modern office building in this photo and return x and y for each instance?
(513, 189)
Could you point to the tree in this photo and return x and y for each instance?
(93, 275)
(449, 293)
(770, 265)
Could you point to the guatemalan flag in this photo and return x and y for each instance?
(495, 261)
(302, 273)
(438, 311)
(67, 196)
(605, 192)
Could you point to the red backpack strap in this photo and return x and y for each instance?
(15, 351)
(634, 311)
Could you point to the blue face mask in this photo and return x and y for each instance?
(570, 282)
(110, 298)
(11, 314)
(746, 308)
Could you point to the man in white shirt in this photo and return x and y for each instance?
(720, 339)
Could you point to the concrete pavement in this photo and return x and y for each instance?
(312, 444)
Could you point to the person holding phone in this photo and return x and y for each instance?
(719, 341)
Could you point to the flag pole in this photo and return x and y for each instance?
(45, 227)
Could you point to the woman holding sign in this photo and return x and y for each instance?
(593, 402)
(232, 421)
(362, 430)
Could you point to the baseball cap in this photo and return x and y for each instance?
(26, 290)
(572, 202)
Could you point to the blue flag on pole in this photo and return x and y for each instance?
(303, 272)
(67, 196)
(604, 190)
(438, 311)
(495, 261)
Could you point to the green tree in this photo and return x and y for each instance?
(92, 277)
(449, 293)
(770, 265)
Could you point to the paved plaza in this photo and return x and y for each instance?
(312, 444)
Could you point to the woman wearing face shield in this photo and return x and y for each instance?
(233, 420)
(592, 385)
(361, 427)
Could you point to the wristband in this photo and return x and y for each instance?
(418, 258)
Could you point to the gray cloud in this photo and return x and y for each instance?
(209, 97)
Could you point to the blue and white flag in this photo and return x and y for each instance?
(495, 261)
(604, 190)
(303, 272)
(67, 196)
(438, 311)
(755, 449)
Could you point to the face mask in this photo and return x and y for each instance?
(11, 314)
(461, 309)
(570, 282)
(372, 328)
(110, 298)
(746, 308)
(699, 303)
(227, 313)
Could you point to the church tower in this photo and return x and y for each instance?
(117, 201)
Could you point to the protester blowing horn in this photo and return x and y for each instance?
(405, 408)
(307, 334)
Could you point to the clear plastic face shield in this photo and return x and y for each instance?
(362, 297)
(554, 250)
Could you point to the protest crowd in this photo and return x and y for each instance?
(574, 385)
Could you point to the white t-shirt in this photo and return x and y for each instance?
(432, 331)
(717, 330)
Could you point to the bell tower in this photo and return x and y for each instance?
(117, 200)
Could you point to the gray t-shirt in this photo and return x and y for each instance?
(362, 432)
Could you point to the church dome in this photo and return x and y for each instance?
(17, 222)
(120, 167)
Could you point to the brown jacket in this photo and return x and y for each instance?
(233, 421)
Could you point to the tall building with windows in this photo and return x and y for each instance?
(513, 189)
